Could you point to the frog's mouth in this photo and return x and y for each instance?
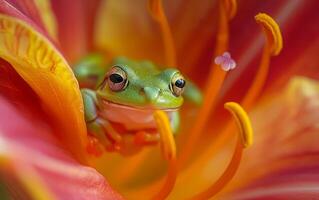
(133, 118)
(138, 108)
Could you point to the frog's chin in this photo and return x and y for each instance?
(138, 108)
(133, 118)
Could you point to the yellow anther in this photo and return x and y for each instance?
(272, 31)
(243, 122)
(231, 8)
(167, 140)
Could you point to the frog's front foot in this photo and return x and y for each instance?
(145, 138)
(102, 134)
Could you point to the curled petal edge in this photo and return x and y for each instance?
(40, 64)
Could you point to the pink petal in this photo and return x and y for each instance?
(299, 183)
(283, 161)
(27, 141)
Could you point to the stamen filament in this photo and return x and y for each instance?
(157, 12)
(215, 80)
(246, 135)
(231, 8)
(168, 148)
(272, 48)
(224, 178)
(167, 141)
(259, 80)
(272, 31)
(169, 182)
(256, 87)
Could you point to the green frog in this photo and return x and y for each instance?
(121, 96)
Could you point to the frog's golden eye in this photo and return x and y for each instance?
(178, 84)
(117, 79)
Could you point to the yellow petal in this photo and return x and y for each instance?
(45, 70)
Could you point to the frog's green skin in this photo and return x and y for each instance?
(148, 88)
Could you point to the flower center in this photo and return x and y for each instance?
(221, 65)
(227, 10)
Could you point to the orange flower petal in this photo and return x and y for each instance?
(48, 74)
(36, 13)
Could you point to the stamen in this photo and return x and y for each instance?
(243, 122)
(246, 133)
(215, 80)
(272, 32)
(224, 178)
(231, 8)
(252, 93)
(157, 12)
(167, 140)
(168, 148)
(272, 48)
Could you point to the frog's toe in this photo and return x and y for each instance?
(145, 138)
(98, 132)
(94, 147)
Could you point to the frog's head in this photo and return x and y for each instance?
(142, 85)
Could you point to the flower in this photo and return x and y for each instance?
(42, 129)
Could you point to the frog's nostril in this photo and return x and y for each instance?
(151, 93)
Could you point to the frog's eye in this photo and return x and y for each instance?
(117, 79)
(178, 84)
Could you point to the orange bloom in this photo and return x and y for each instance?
(42, 128)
